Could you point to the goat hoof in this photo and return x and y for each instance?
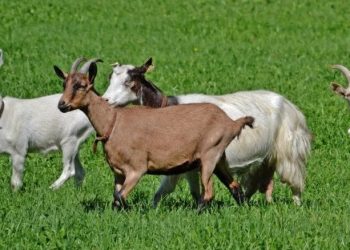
(238, 195)
(156, 200)
(202, 205)
(154, 205)
(116, 205)
(17, 188)
(119, 202)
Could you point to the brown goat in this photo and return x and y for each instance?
(141, 140)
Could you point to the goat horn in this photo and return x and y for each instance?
(114, 64)
(344, 70)
(76, 64)
(84, 69)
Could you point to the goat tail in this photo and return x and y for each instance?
(292, 147)
(242, 122)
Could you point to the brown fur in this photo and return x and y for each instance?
(161, 141)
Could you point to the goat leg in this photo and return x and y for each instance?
(223, 173)
(166, 187)
(237, 193)
(207, 195)
(118, 202)
(17, 171)
(192, 178)
(131, 179)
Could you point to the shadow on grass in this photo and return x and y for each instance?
(280, 201)
(96, 204)
(140, 203)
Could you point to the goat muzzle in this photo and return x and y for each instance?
(63, 107)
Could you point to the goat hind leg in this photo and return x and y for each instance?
(296, 192)
(224, 175)
(208, 194)
(166, 187)
(79, 171)
(208, 164)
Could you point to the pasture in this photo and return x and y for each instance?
(212, 47)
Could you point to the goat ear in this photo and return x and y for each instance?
(92, 72)
(93, 69)
(60, 73)
(147, 66)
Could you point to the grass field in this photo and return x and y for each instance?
(212, 47)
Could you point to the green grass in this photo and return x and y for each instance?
(212, 47)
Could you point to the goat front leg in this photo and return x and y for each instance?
(166, 187)
(17, 171)
(69, 152)
(131, 179)
(192, 178)
(118, 183)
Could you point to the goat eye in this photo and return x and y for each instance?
(128, 84)
(77, 87)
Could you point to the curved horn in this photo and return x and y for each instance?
(84, 69)
(344, 70)
(76, 64)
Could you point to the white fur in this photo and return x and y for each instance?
(280, 138)
(37, 125)
(120, 92)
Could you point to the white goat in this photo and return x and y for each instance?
(37, 124)
(340, 90)
(280, 141)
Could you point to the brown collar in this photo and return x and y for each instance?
(164, 101)
(106, 136)
(2, 107)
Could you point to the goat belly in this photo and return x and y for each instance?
(173, 170)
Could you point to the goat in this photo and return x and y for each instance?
(141, 140)
(37, 125)
(280, 141)
(340, 90)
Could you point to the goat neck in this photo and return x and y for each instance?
(154, 99)
(101, 115)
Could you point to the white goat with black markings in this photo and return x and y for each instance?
(280, 141)
(37, 125)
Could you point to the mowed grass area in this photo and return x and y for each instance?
(212, 47)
